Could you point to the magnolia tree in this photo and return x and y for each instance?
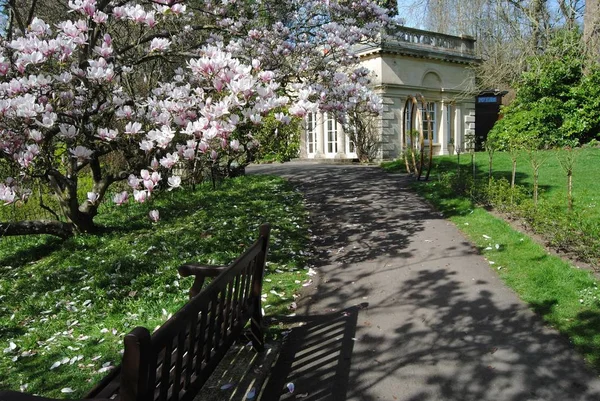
(149, 92)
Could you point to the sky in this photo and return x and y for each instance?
(413, 12)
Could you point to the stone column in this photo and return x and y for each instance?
(459, 125)
(390, 126)
(320, 128)
(443, 128)
(303, 143)
(341, 142)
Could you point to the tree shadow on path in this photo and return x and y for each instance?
(439, 325)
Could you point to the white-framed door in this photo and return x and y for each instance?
(331, 135)
(310, 133)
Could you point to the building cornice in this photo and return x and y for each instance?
(410, 42)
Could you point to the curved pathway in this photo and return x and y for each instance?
(403, 307)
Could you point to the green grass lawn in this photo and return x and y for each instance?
(553, 181)
(66, 305)
(563, 294)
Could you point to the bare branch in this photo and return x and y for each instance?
(51, 227)
(14, 13)
(31, 12)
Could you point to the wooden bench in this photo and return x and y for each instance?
(174, 362)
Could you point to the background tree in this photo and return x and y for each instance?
(591, 29)
(554, 98)
(507, 32)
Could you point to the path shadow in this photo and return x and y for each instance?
(466, 345)
(315, 358)
(353, 211)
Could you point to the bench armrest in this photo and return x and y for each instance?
(195, 269)
(200, 272)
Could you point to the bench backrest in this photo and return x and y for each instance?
(175, 361)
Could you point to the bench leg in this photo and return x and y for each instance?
(256, 327)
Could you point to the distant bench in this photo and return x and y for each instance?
(174, 362)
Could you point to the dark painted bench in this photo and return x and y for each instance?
(174, 362)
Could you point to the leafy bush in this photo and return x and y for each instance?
(278, 142)
(555, 101)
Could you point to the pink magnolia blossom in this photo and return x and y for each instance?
(159, 44)
(154, 215)
(121, 198)
(35, 135)
(178, 8)
(174, 182)
(133, 128)
(133, 181)
(140, 196)
(92, 197)
(283, 118)
(25, 158)
(7, 195)
(68, 131)
(169, 160)
(107, 134)
(81, 153)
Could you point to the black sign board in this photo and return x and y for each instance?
(487, 109)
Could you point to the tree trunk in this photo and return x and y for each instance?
(570, 190)
(535, 185)
(514, 174)
(512, 180)
(591, 28)
(84, 222)
(490, 166)
(51, 227)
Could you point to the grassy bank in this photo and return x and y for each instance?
(66, 305)
(563, 294)
(552, 179)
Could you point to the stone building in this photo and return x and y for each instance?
(406, 63)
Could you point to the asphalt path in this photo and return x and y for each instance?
(404, 308)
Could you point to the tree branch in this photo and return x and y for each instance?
(164, 34)
(46, 208)
(17, 17)
(31, 12)
(36, 227)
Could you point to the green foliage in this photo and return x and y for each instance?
(556, 102)
(79, 297)
(278, 142)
